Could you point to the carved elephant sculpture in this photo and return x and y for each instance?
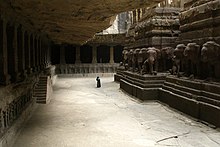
(166, 58)
(178, 59)
(210, 54)
(125, 58)
(135, 59)
(141, 57)
(192, 54)
(152, 56)
(130, 57)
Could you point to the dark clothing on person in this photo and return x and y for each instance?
(98, 82)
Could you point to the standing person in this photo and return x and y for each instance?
(98, 82)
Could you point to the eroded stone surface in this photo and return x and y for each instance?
(69, 21)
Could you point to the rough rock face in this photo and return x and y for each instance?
(69, 21)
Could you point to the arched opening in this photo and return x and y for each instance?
(118, 53)
(86, 54)
(11, 53)
(70, 54)
(103, 54)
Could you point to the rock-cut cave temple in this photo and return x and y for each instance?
(150, 55)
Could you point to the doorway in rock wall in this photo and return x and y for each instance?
(103, 54)
(55, 54)
(70, 54)
(86, 54)
(118, 53)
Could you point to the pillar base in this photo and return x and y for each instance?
(111, 62)
(77, 62)
(17, 77)
(5, 79)
(23, 74)
(29, 71)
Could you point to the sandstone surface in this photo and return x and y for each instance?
(69, 21)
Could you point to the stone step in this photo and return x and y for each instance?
(205, 109)
(183, 88)
(41, 98)
(41, 101)
(41, 88)
(40, 95)
(177, 91)
(196, 85)
(186, 105)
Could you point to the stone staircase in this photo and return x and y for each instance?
(43, 90)
(196, 98)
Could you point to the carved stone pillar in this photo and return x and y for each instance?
(37, 53)
(15, 47)
(4, 76)
(33, 65)
(48, 53)
(111, 55)
(29, 63)
(62, 55)
(134, 16)
(182, 4)
(40, 54)
(23, 53)
(77, 55)
(43, 64)
(94, 54)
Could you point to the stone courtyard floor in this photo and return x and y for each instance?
(81, 115)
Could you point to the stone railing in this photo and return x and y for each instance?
(86, 68)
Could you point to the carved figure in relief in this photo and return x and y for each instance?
(192, 54)
(178, 59)
(166, 58)
(125, 58)
(152, 56)
(210, 54)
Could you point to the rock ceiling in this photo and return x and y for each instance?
(69, 21)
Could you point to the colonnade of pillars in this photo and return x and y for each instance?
(77, 55)
(22, 52)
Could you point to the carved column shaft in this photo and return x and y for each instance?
(77, 55)
(4, 76)
(33, 52)
(15, 47)
(111, 55)
(29, 48)
(62, 55)
(37, 53)
(40, 53)
(94, 54)
(23, 51)
(134, 16)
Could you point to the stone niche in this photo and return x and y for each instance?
(158, 27)
(200, 21)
